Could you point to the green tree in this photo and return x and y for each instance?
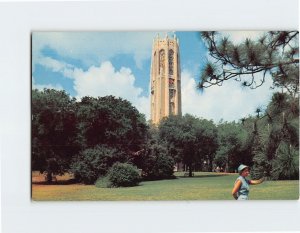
(53, 131)
(110, 121)
(154, 159)
(257, 150)
(286, 163)
(155, 162)
(278, 125)
(275, 53)
(283, 115)
(232, 151)
(192, 140)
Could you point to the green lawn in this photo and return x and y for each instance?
(203, 186)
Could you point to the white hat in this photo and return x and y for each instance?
(242, 167)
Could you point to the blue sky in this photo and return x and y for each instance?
(118, 63)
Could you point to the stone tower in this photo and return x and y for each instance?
(165, 78)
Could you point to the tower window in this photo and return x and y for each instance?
(162, 61)
(171, 83)
(171, 62)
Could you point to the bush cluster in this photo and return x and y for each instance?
(156, 164)
(93, 163)
(123, 175)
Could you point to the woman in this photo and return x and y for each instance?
(240, 190)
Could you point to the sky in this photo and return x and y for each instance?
(118, 63)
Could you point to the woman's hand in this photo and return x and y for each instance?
(258, 181)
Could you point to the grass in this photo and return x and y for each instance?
(203, 186)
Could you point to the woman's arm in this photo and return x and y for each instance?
(236, 188)
(253, 182)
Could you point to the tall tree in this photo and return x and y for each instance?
(110, 121)
(232, 151)
(53, 131)
(277, 126)
(286, 163)
(154, 160)
(61, 127)
(193, 140)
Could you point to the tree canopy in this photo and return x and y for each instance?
(54, 131)
(87, 133)
(191, 140)
(111, 121)
(232, 151)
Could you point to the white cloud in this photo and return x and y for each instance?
(229, 102)
(93, 47)
(57, 66)
(105, 80)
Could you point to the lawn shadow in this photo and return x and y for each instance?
(59, 182)
(204, 176)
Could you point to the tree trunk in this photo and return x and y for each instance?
(227, 167)
(210, 165)
(190, 170)
(49, 177)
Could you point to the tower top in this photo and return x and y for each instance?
(162, 39)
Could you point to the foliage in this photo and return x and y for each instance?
(261, 165)
(283, 115)
(275, 53)
(123, 175)
(103, 182)
(61, 127)
(232, 151)
(92, 163)
(279, 124)
(53, 131)
(194, 140)
(111, 121)
(155, 162)
(286, 162)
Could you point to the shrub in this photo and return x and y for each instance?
(261, 166)
(159, 167)
(157, 164)
(92, 163)
(286, 163)
(103, 182)
(123, 175)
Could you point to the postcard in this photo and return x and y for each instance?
(165, 115)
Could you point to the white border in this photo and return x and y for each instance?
(19, 214)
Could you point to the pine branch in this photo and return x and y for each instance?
(227, 55)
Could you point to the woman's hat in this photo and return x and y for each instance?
(241, 168)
